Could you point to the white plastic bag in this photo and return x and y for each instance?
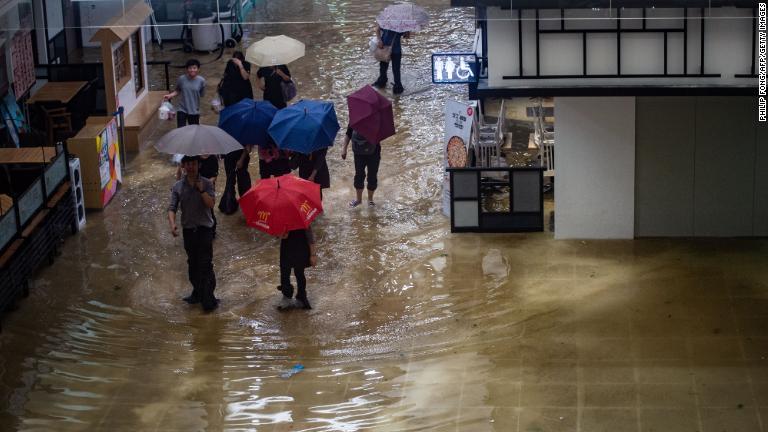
(216, 105)
(166, 111)
(373, 44)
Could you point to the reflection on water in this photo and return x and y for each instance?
(104, 343)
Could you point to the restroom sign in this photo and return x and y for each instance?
(454, 68)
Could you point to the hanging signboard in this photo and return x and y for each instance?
(459, 121)
(454, 68)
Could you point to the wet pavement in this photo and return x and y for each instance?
(412, 328)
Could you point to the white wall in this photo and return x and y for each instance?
(728, 43)
(595, 192)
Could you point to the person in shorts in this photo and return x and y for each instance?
(367, 157)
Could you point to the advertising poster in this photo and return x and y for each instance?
(104, 159)
(459, 120)
(113, 137)
(110, 167)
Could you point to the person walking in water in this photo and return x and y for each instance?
(393, 39)
(195, 196)
(235, 86)
(367, 156)
(270, 79)
(191, 87)
(297, 252)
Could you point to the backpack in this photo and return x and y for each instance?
(288, 89)
(361, 146)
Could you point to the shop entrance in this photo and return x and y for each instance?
(518, 133)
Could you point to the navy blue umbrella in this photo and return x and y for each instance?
(247, 121)
(305, 126)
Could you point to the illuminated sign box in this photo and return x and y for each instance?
(454, 68)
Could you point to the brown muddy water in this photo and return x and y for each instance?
(412, 328)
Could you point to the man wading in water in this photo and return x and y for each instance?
(195, 195)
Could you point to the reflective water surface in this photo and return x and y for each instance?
(105, 343)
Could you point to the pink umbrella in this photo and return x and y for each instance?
(403, 17)
(370, 114)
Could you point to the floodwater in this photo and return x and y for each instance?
(413, 329)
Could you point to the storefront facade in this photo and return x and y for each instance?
(657, 130)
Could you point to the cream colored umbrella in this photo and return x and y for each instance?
(274, 50)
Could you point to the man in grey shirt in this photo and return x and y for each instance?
(196, 197)
(191, 87)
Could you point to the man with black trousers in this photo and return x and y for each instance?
(196, 197)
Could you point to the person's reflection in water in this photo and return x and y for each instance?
(200, 391)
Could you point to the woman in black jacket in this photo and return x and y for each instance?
(234, 87)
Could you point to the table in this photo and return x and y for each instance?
(28, 155)
(62, 91)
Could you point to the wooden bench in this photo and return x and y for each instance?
(142, 120)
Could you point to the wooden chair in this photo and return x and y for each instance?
(58, 122)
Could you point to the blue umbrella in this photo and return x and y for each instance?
(305, 126)
(247, 121)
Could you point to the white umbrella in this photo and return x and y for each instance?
(194, 140)
(403, 17)
(274, 50)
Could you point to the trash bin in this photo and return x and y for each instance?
(206, 34)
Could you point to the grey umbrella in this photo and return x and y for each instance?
(195, 140)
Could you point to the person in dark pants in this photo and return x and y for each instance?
(195, 196)
(270, 78)
(191, 87)
(236, 169)
(313, 167)
(297, 252)
(234, 87)
(367, 156)
(391, 38)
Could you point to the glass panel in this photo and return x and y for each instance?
(465, 214)
(30, 202)
(54, 174)
(465, 185)
(495, 199)
(526, 194)
(7, 227)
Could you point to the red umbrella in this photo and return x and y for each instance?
(370, 114)
(280, 204)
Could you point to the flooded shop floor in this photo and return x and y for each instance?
(413, 328)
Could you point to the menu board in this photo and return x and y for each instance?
(23, 63)
(459, 122)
